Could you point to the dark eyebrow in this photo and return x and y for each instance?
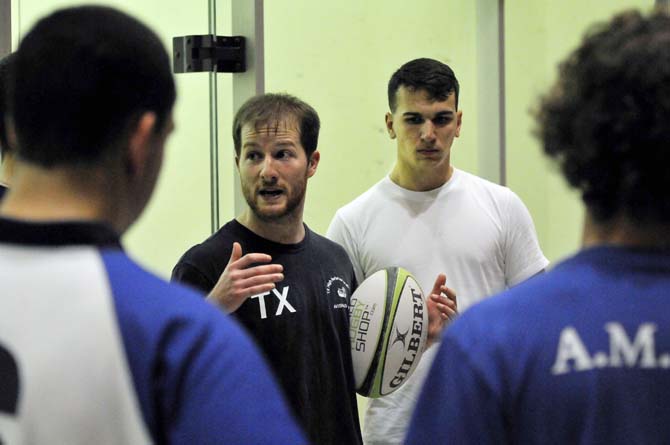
(447, 113)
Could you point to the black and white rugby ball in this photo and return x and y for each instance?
(388, 329)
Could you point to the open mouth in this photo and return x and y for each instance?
(270, 193)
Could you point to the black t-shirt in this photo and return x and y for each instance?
(302, 325)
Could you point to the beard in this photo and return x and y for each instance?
(293, 204)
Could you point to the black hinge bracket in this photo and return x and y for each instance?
(207, 53)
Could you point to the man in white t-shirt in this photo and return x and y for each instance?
(433, 220)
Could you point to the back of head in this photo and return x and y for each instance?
(5, 67)
(606, 120)
(82, 77)
(271, 109)
(432, 76)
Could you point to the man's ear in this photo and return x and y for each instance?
(459, 121)
(389, 125)
(313, 163)
(139, 144)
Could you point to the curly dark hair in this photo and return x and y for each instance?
(606, 122)
(430, 75)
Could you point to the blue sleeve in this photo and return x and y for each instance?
(199, 379)
(456, 404)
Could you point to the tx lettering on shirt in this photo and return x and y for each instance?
(283, 302)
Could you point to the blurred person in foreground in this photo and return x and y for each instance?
(93, 349)
(580, 354)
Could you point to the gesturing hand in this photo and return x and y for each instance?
(238, 281)
(442, 307)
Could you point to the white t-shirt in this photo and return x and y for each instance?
(476, 232)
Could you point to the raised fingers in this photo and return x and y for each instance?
(439, 284)
(256, 280)
(260, 284)
(445, 305)
(266, 269)
(251, 258)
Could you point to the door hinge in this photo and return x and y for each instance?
(207, 53)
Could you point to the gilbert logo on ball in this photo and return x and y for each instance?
(388, 329)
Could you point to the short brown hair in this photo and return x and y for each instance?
(267, 109)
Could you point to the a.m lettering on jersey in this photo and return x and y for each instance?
(638, 350)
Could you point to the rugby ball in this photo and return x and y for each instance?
(388, 327)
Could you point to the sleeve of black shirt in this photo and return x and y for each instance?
(187, 274)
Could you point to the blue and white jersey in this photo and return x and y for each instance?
(93, 349)
(578, 355)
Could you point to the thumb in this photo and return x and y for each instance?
(236, 253)
(440, 281)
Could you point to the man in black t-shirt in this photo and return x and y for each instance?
(292, 290)
(293, 297)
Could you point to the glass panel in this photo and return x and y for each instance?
(539, 34)
(227, 167)
(178, 214)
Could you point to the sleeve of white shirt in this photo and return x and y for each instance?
(339, 232)
(523, 256)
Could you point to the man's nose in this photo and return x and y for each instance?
(268, 170)
(428, 131)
